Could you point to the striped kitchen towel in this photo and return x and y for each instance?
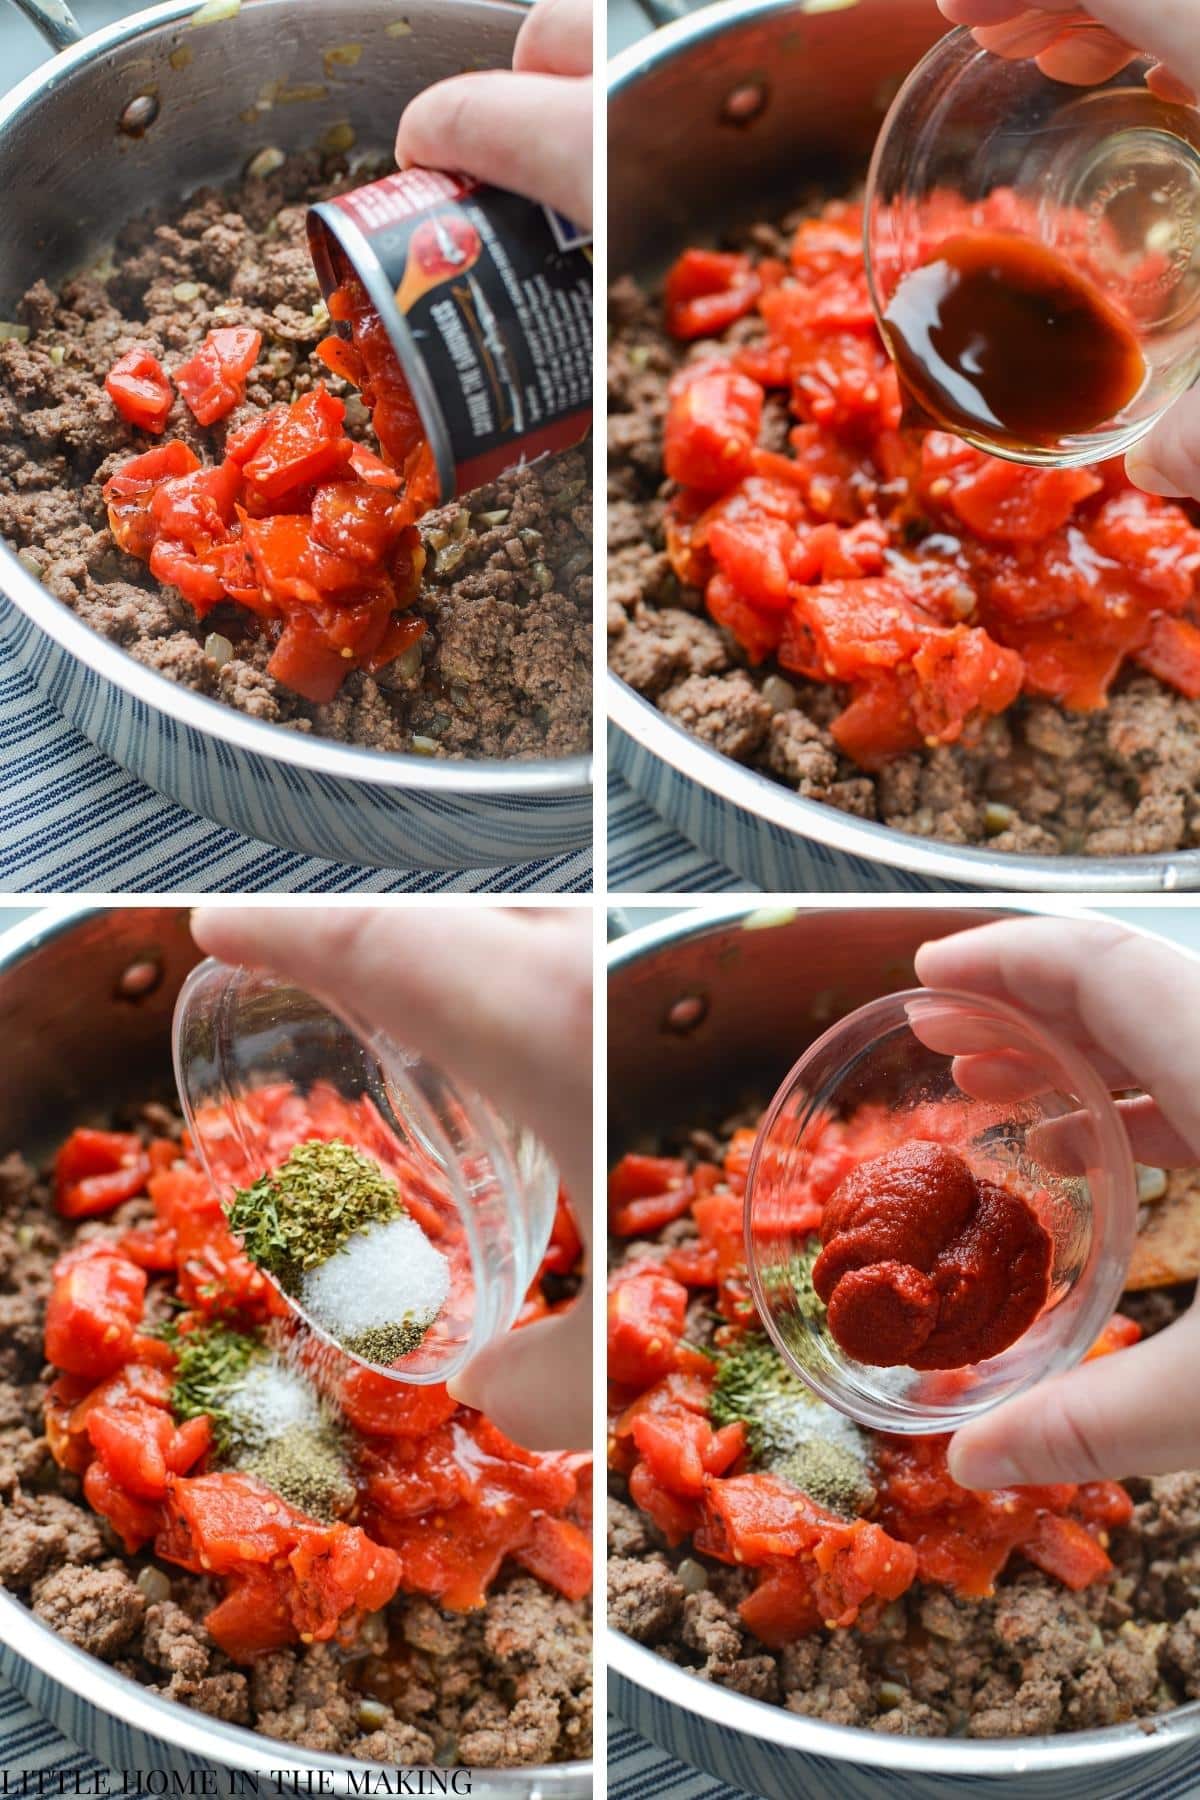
(72, 821)
(641, 1770)
(648, 856)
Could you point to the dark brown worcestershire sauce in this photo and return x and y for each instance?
(1002, 337)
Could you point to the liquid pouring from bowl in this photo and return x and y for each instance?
(1033, 253)
(398, 1216)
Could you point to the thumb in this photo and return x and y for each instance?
(1167, 461)
(536, 1383)
(1131, 1413)
(528, 132)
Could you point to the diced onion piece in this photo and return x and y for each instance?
(218, 649)
(265, 163)
(214, 11)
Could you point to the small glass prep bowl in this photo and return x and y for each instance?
(482, 1189)
(1108, 176)
(898, 1054)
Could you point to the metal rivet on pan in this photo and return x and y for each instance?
(140, 978)
(139, 115)
(745, 103)
(686, 1014)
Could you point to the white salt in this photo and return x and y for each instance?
(270, 1400)
(387, 1274)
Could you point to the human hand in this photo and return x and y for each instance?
(1127, 1002)
(1167, 461)
(503, 999)
(529, 128)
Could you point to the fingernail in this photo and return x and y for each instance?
(982, 1468)
(1144, 473)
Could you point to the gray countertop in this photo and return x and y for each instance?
(22, 48)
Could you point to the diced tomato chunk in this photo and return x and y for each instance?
(712, 426)
(707, 290)
(95, 1171)
(213, 381)
(94, 1308)
(1172, 652)
(140, 391)
(645, 1322)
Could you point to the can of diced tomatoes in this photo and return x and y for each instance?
(486, 300)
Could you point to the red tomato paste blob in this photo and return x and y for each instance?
(927, 1265)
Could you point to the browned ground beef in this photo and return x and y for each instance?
(505, 669)
(508, 1685)
(1034, 1659)
(1119, 782)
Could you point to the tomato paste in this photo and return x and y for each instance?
(931, 585)
(441, 1499)
(924, 1263)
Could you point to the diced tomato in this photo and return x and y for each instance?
(190, 1444)
(844, 630)
(566, 1246)
(149, 1247)
(133, 1440)
(381, 1407)
(707, 290)
(676, 1518)
(647, 1192)
(960, 673)
(254, 1616)
(372, 469)
(224, 1522)
(1076, 659)
(1172, 652)
(134, 1521)
(757, 632)
(878, 724)
(681, 1449)
(1067, 1550)
(356, 520)
(693, 1264)
(558, 1553)
(94, 1308)
(140, 391)
(128, 493)
(213, 381)
(305, 446)
(96, 1171)
(712, 425)
(1118, 1334)
(338, 1573)
(645, 1322)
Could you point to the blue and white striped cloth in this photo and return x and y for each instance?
(71, 821)
(648, 856)
(31, 1747)
(641, 1770)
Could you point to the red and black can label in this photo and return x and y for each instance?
(486, 298)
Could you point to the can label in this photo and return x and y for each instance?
(487, 298)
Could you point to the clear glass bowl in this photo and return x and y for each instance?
(1108, 176)
(483, 1189)
(899, 1054)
